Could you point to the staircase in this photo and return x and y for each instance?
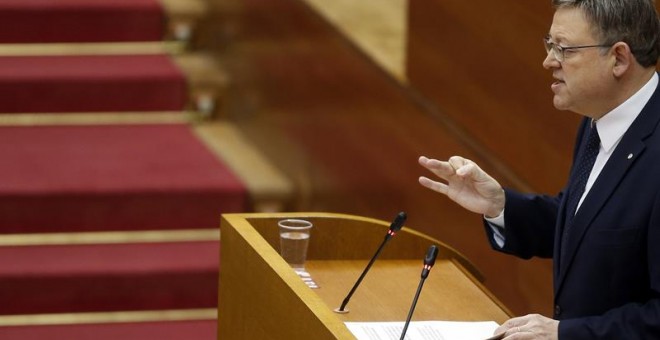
(117, 163)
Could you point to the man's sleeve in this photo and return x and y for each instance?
(530, 225)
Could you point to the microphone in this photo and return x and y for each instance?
(396, 225)
(429, 261)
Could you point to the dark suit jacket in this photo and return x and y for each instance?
(608, 284)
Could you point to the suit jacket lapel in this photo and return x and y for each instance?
(614, 171)
(561, 215)
(559, 229)
(608, 180)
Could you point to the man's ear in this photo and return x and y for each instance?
(623, 58)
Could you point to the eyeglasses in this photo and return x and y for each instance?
(558, 51)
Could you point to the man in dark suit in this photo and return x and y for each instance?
(603, 229)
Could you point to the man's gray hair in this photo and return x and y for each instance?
(634, 22)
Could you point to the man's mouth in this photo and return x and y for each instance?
(557, 84)
(558, 80)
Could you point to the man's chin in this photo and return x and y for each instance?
(563, 106)
(560, 104)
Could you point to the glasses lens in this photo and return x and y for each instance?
(557, 53)
(556, 50)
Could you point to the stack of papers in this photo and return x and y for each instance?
(423, 330)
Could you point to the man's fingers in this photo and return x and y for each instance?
(464, 167)
(531, 326)
(433, 164)
(472, 171)
(457, 162)
(510, 324)
(433, 185)
(439, 168)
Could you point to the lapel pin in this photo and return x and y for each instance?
(630, 156)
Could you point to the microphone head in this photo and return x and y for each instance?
(431, 254)
(397, 224)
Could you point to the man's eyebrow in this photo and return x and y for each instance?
(557, 38)
(552, 39)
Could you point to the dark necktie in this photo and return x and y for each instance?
(581, 175)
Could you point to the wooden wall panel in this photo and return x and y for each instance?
(480, 63)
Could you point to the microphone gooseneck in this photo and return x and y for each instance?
(429, 261)
(395, 226)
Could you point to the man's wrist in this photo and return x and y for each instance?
(496, 216)
(498, 207)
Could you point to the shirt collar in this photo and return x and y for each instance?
(615, 123)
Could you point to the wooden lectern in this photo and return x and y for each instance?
(261, 297)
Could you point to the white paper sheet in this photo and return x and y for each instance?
(423, 330)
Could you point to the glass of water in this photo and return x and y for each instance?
(294, 241)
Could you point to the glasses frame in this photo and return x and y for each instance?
(558, 50)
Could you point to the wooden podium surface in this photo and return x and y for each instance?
(261, 297)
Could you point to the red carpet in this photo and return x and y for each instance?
(173, 330)
(88, 178)
(118, 277)
(30, 21)
(75, 178)
(90, 83)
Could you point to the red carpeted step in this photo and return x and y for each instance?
(108, 277)
(74, 178)
(91, 83)
(37, 21)
(165, 330)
